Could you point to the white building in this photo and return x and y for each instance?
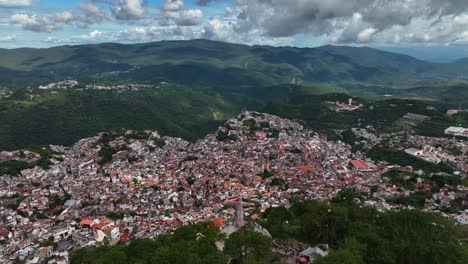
(457, 131)
(63, 233)
(414, 152)
(114, 233)
(462, 219)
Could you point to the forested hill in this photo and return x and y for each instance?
(211, 63)
(201, 83)
(64, 116)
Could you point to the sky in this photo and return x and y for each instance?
(427, 28)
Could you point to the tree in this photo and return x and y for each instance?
(310, 227)
(347, 197)
(353, 245)
(135, 181)
(168, 255)
(142, 250)
(334, 224)
(105, 242)
(114, 256)
(377, 248)
(280, 183)
(419, 237)
(277, 217)
(185, 245)
(340, 257)
(50, 242)
(247, 244)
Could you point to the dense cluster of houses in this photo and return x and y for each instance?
(68, 84)
(5, 93)
(19, 155)
(457, 131)
(149, 188)
(61, 84)
(338, 106)
(120, 87)
(436, 150)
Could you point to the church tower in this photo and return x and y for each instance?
(239, 217)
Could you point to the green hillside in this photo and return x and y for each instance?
(208, 63)
(210, 81)
(382, 114)
(63, 117)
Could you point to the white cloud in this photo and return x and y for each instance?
(218, 30)
(13, 3)
(63, 17)
(175, 13)
(228, 11)
(186, 17)
(89, 14)
(237, 32)
(85, 15)
(366, 34)
(275, 22)
(462, 38)
(173, 5)
(153, 33)
(93, 37)
(130, 35)
(129, 9)
(42, 23)
(358, 21)
(7, 38)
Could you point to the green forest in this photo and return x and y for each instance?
(67, 116)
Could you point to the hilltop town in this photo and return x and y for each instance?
(122, 185)
(74, 84)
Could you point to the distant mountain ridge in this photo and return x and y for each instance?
(463, 61)
(211, 63)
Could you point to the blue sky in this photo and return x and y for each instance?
(417, 27)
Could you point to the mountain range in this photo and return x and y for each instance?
(210, 63)
(199, 83)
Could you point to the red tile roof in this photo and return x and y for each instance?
(86, 222)
(217, 222)
(359, 164)
(306, 168)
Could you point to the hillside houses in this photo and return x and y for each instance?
(154, 188)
